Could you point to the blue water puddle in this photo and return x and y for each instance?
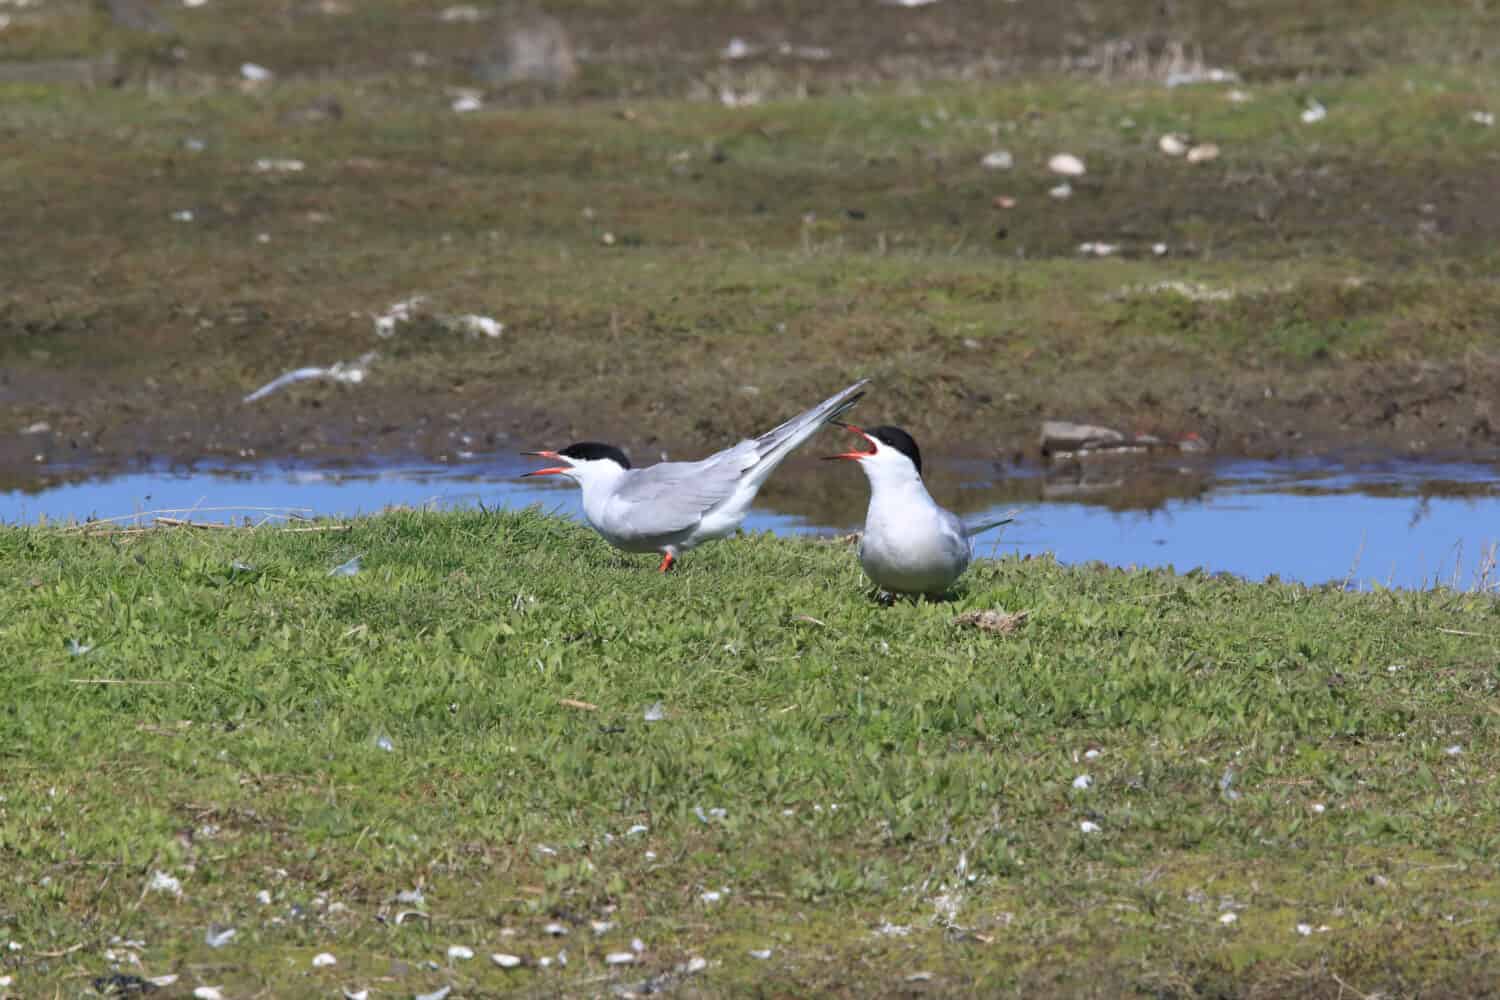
(1393, 524)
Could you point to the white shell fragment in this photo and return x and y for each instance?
(1304, 929)
(696, 964)
(1067, 165)
(1098, 249)
(437, 994)
(269, 165)
(182, 216)
(163, 882)
(460, 952)
(506, 961)
(263, 898)
(555, 929)
(654, 713)
(1454, 750)
(464, 103)
(255, 73)
(619, 958)
(323, 960)
(760, 953)
(1089, 826)
(1083, 781)
(1228, 918)
(1092, 754)
(1203, 154)
(216, 938)
(208, 993)
(1000, 159)
(1061, 192)
(1314, 112)
(1485, 118)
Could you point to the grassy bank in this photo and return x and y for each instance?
(873, 793)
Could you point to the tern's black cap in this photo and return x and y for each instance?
(895, 437)
(591, 451)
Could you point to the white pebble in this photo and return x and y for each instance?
(1083, 781)
(1319, 808)
(1089, 826)
(1313, 113)
(466, 103)
(163, 882)
(638, 828)
(1203, 154)
(1485, 118)
(601, 926)
(323, 959)
(637, 945)
(459, 952)
(760, 953)
(1454, 750)
(263, 898)
(1228, 918)
(1172, 144)
(506, 961)
(619, 958)
(697, 964)
(1062, 191)
(711, 896)
(208, 993)
(1091, 754)
(555, 929)
(182, 216)
(1066, 164)
(255, 72)
(1304, 929)
(1160, 250)
(1000, 159)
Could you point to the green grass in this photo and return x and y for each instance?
(874, 766)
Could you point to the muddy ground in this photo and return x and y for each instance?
(687, 241)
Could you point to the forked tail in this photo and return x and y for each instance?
(776, 444)
(981, 527)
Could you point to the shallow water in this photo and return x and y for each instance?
(1394, 523)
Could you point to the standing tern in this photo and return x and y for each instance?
(910, 545)
(675, 506)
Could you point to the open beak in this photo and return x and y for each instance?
(552, 470)
(852, 455)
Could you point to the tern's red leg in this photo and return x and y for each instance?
(666, 563)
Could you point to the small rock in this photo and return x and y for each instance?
(737, 48)
(919, 977)
(1159, 249)
(506, 961)
(655, 713)
(696, 964)
(1314, 112)
(263, 898)
(601, 926)
(1203, 154)
(555, 929)
(1083, 781)
(356, 994)
(1003, 201)
(1092, 754)
(619, 958)
(637, 828)
(1089, 826)
(255, 73)
(1062, 192)
(1097, 249)
(464, 103)
(760, 953)
(1485, 118)
(1454, 750)
(461, 14)
(1319, 808)
(40, 427)
(1173, 144)
(267, 165)
(323, 960)
(208, 993)
(1067, 165)
(437, 994)
(1000, 159)
(160, 982)
(460, 953)
(637, 945)
(183, 215)
(1228, 918)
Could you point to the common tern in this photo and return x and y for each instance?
(910, 545)
(675, 506)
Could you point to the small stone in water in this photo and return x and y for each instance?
(323, 960)
(460, 952)
(506, 961)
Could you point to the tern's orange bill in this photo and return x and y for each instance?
(852, 455)
(555, 470)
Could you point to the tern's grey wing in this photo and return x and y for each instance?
(672, 497)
